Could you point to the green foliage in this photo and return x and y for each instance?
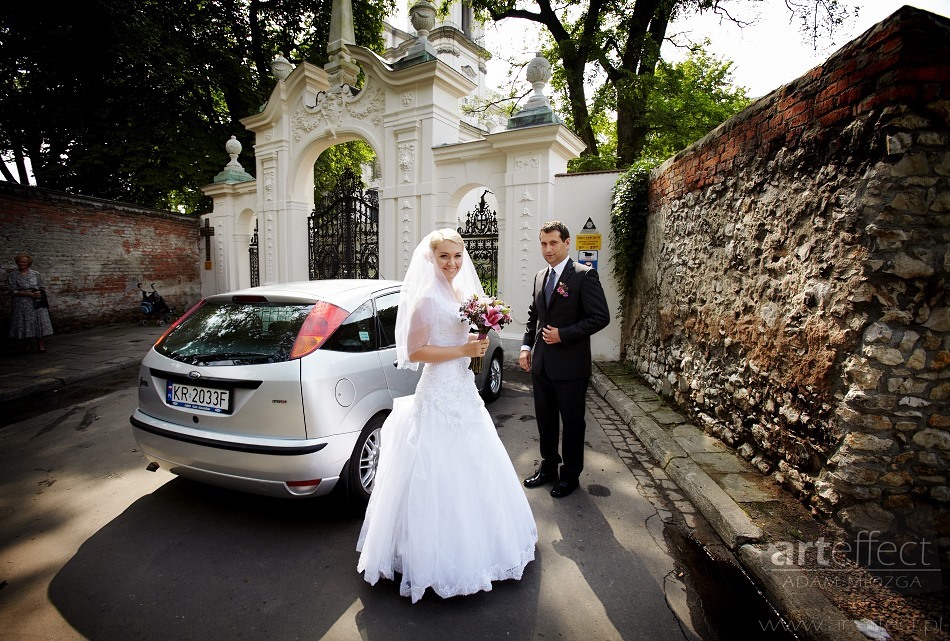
(685, 101)
(628, 225)
(689, 99)
(133, 100)
(332, 162)
(605, 56)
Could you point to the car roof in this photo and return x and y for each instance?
(348, 293)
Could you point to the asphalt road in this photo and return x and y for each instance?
(93, 546)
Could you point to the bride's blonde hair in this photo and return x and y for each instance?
(439, 235)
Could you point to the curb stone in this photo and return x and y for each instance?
(731, 523)
(804, 609)
(729, 520)
(807, 611)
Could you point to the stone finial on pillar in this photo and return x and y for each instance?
(538, 73)
(280, 68)
(422, 16)
(233, 171)
(537, 111)
(341, 69)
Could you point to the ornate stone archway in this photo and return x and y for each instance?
(408, 112)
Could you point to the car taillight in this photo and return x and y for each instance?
(320, 323)
(178, 322)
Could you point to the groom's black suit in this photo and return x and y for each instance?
(561, 372)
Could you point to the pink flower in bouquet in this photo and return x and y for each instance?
(495, 317)
(484, 313)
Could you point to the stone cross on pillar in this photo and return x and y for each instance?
(207, 232)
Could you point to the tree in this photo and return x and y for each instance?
(134, 99)
(334, 161)
(619, 41)
(686, 100)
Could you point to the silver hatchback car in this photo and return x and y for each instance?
(281, 390)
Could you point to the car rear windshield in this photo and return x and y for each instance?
(236, 334)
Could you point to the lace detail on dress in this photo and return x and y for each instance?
(432, 391)
(432, 395)
(470, 585)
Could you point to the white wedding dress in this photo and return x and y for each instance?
(447, 511)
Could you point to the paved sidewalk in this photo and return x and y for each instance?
(748, 511)
(73, 357)
(757, 520)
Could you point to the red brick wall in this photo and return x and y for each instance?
(902, 60)
(92, 253)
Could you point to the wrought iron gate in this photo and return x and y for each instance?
(344, 232)
(255, 259)
(481, 240)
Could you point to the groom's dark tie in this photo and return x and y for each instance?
(549, 286)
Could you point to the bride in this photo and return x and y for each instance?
(447, 510)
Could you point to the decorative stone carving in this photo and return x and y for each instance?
(538, 72)
(233, 171)
(269, 184)
(526, 246)
(333, 106)
(537, 111)
(422, 17)
(368, 105)
(280, 68)
(408, 98)
(233, 147)
(269, 242)
(221, 259)
(340, 68)
(407, 159)
(406, 240)
(527, 162)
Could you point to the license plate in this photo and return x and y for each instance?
(206, 399)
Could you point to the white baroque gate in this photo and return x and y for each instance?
(408, 112)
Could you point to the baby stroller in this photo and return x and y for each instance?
(154, 307)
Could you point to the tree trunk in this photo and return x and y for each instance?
(574, 77)
(631, 135)
(633, 84)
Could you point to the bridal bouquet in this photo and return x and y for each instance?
(484, 313)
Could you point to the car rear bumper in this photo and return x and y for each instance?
(260, 466)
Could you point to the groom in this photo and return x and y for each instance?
(567, 307)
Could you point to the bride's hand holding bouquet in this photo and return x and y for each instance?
(484, 313)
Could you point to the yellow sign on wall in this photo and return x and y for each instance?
(587, 242)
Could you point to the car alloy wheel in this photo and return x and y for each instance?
(365, 460)
(494, 377)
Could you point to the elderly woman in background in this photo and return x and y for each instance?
(30, 310)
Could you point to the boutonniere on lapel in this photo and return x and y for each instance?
(561, 289)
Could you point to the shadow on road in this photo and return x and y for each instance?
(191, 561)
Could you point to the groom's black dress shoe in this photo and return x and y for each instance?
(540, 478)
(563, 488)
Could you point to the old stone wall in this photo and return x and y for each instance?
(792, 297)
(92, 253)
